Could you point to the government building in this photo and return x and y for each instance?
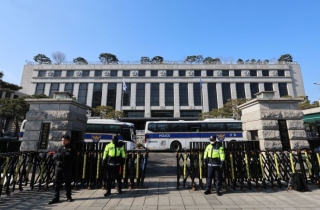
(170, 91)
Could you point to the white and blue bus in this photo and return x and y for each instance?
(178, 134)
(102, 130)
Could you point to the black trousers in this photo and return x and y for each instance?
(213, 172)
(116, 173)
(66, 175)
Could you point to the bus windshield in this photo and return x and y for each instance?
(178, 134)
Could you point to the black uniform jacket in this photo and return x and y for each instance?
(66, 157)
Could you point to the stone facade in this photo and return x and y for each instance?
(262, 116)
(65, 116)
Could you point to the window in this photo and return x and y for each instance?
(182, 73)
(209, 73)
(178, 127)
(212, 96)
(281, 73)
(183, 94)
(70, 73)
(126, 73)
(127, 95)
(54, 87)
(225, 73)
(168, 95)
(190, 113)
(42, 73)
(154, 73)
(215, 126)
(265, 73)
(57, 73)
(268, 87)
(237, 73)
(82, 95)
(197, 73)
(140, 95)
(134, 113)
(253, 73)
(69, 88)
(154, 94)
(169, 73)
(283, 91)
(226, 93)
(85, 73)
(254, 87)
(39, 89)
(197, 93)
(240, 90)
(112, 93)
(113, 73)
(234, 126)
(98, 73)
(142, 73)
(96, 95)
(161, 113)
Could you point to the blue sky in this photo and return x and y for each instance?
(173, 29)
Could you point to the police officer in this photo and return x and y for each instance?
(113, 160)
(214, 156)
(66, 155)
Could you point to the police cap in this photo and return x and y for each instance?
(212, 138)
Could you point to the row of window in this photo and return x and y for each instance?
(194, 127)
(154, 73)
(155, 93)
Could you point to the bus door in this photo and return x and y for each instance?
(195, 134)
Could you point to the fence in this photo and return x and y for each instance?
(246, 168)
(37, 170)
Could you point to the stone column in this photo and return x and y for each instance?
(62, 116)
(190, 95)
(233, 90)
(104, 94)
(276, 90)
(219, 95)
(76, 90)
(47, 89)
(133, 94)
(147, 105)
(89, 94)
(247, 90)
(162, 94)
(205, 98)
(119, 97)
(176, 100)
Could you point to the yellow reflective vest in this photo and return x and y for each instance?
(115, 153)
(215, 154)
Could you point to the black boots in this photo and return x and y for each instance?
(55, 200)
(107, 193)
(218, 193)
(69, 198)
(207, 192)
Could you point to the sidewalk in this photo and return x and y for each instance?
(161, 193)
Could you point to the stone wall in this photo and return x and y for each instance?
(262, 115)
(64, 117)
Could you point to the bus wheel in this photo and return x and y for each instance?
(175, 145)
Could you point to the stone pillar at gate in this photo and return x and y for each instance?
(48, 119)
(276, 122)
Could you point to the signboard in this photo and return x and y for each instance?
(44, 135)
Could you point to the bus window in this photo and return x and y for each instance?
(234, 126)
(152, 127)
(112, 128)
(126, 133)
(94, 128)
(163, 127)
(216, 127)
(178, 127)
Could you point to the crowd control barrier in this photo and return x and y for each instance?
(245, 168)
(36, 170)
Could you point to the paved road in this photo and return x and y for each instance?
(159, 192)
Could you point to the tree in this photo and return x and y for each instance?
(216, 61)
(145, 60)
(7, 86)
(59, 57)
(116, 115)
(207, 60)
(259, 61)
(247, 61)
(15, 109)
(42, 59)
(306, 103)
(108, 58)
(157, 60)
(190, 59)
(102, 111)
(287, 58)
(199, 59)
(240, 61)
(80, 61)
(266, 61)
(253, 61)
(229, 110)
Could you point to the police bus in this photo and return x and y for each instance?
(102, 130)
(178, 134)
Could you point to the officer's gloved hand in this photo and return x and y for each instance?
(222, 163)
(122, 161)
(104, 163)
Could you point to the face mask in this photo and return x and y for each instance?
(212, 142)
